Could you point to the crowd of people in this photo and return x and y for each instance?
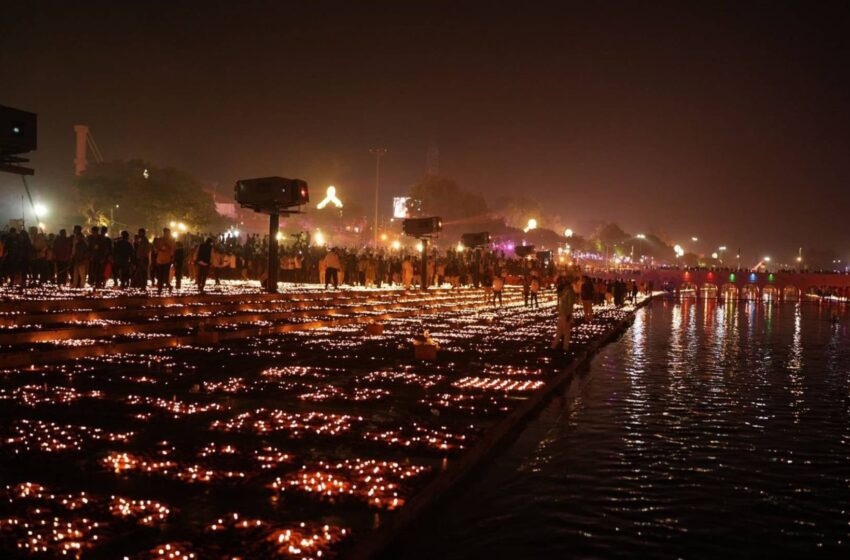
(95, 258)
(571, 288)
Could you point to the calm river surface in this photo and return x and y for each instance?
(706, 431)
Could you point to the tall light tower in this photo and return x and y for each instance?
(378, 153)
(80, 161)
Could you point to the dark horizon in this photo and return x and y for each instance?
(726, 122)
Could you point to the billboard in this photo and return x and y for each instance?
(400, 210)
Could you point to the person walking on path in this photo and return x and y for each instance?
(203, 260)
(79, 259)
(332, 268)
(122, 259)
(179, 260)
(498, 287)
(62, 247)
(535, 289)
(587, 293)
(566, 302)
(143, 259)
(164, 248)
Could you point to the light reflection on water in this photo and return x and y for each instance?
(708, 430)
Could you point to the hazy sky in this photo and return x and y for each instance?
(726, 121)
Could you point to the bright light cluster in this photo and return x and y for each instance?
(171, 551)
(374, 482)
(332, 392)
(270, 457)
(404, 377)
(496, 384)
(128, 462)
(50, 437)
(306, 542)
(69, 524)
(465, 402)
(417, 435)
(175, 407)
(145, 512)
(34, 395)
(296, 424)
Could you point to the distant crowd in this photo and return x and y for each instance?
(95, 258)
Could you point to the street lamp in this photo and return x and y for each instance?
(568, 232)
(40, 209)
(532, 224)
(378, 153)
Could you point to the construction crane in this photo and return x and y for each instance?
(85, 143)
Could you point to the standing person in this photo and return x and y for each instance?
(587, 294)
(39, 256)
(79, 259)
(407, 272)
(332, 266)
(179, 260)
(535, 289)
(62, 247)
(203, 260)
(164, 247)
(566, 302)
(97, 257)
(219, 262)
(498, 286)
(122, 258)
(107, 260)
(143, 260)
(381, 267)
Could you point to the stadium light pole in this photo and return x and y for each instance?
(378, 153)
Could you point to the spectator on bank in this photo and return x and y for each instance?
(566, 302)
(164, 248)
(97, 258)
(498, 287)
(203, 261)
(179, 262)
(62, 248)
(122, 260)
(143, 259)
(332, 268)
(587, 295)
(79, 259)
(535, 289)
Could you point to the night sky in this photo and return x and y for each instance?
(725, 121)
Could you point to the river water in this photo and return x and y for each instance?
(707, 431)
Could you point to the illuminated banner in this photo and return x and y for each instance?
(400, 207)
(405, 207)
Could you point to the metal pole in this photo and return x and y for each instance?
(378, 153)
(424, 273)
(274, 264)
